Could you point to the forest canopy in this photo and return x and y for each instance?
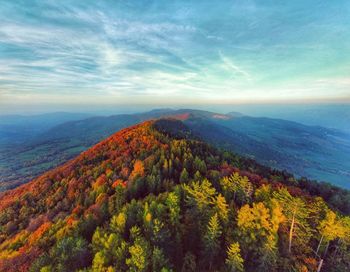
(154, 198)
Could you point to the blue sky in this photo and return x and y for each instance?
(173, 52)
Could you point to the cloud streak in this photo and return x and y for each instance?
(184, 52)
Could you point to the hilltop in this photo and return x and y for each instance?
(154, 197)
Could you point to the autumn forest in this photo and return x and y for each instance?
(154, 197)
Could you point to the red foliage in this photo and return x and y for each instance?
(66, 192)
(139, 170)
(118, 182)
(94, 210)
(71, 220)
(73, 186)
(39, 232)
(311, 263)
(78, 210)
(254, 178)
(101, 180)
(101, 198)
(125, 172)
(20, 263)
(226, 169)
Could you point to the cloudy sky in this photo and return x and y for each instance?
(165, 52)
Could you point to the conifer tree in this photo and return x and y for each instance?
(212, 239)
(200, 194)
(234, 261)
(117, 223)
(139, 258)
(237, 187)
(258, 228)
(296, 213)
(173, 204)
(184, 176)
(221, 208)
(159, 261)
(330, 229)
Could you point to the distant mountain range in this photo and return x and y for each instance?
(328, 115)
(19, 128)
(311, 151)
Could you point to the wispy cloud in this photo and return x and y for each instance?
(233, 67)
(134, 51)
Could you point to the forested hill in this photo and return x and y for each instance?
(155, 198)
(313, 152)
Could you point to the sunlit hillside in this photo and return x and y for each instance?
(154, 198)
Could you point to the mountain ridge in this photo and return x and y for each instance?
(313, 152)
(70, 207)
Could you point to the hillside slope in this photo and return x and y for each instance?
(313, 152)
(154, 198)
(22, 162)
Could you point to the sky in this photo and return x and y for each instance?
(96, 53)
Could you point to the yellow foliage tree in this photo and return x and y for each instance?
(234, 261)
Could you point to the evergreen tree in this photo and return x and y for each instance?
(296, 213)
(173, 204)
(330, 228)
(212, 240)
(200, 194)
(117, 223)
(234, 261)
(221, 207)
(184, 176)
(166, 168)
(258, 228)
(159, 261)
(137, 262)
(139, 252)
(237, 188)
(200, 166)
